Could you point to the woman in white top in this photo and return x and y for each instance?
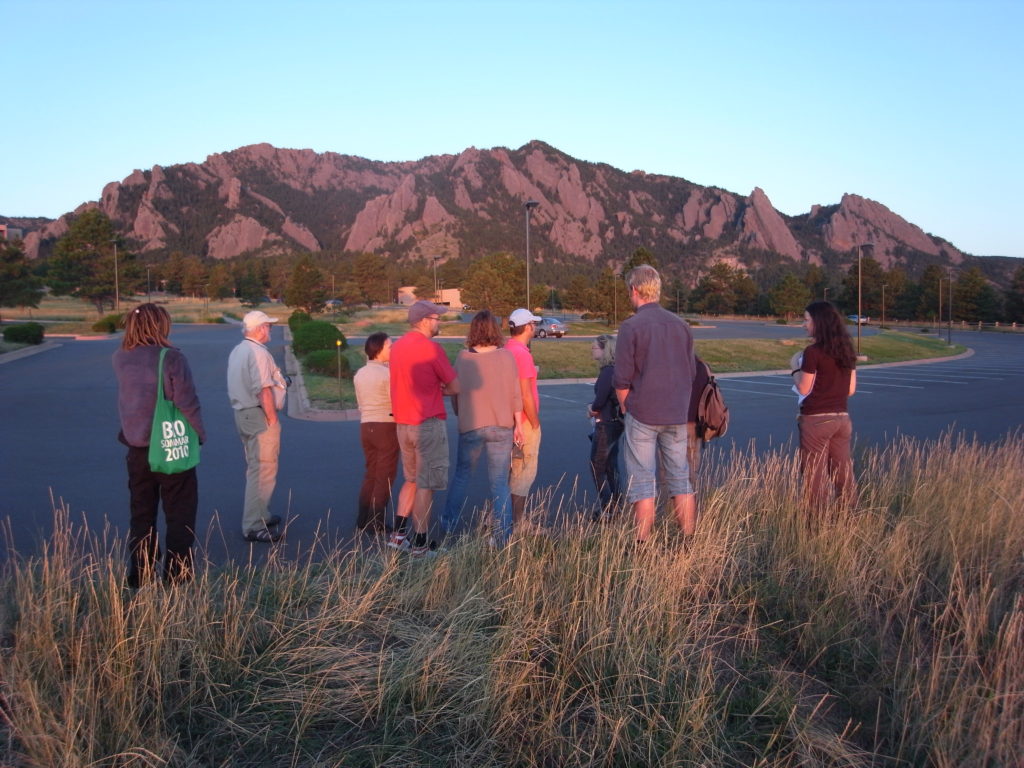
(377, 433)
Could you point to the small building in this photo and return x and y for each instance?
(11, 233)
(446, 297)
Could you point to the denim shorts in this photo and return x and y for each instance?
(645, 447)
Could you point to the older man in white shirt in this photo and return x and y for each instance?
(257, 388)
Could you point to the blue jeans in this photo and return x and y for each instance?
(498, 441)
(644, 447)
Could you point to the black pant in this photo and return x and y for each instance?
(180, 495)
(604, 460)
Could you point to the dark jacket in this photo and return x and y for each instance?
(136, 391)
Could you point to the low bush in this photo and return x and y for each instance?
(781, 321)
(109, 323)
(325, 362)
(316, 334)
(297, 318)
(24, 333)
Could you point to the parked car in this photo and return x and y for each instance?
(863, 320)
(549, 327)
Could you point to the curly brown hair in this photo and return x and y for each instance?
(484, 331)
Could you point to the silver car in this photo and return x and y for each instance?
(548, 326)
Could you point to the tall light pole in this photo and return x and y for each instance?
(117, 290)
(529, 205)
(435, 260)
(949, 310)
(883, 304)
(825, 294)
(860, 311)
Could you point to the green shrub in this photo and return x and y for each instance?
(781, 321)
(214, 319)
(109, 324)
(24, 333)
(316, 334)
(325, 361)
(297, 318)
(693, 322)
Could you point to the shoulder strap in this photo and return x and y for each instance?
(160, 375)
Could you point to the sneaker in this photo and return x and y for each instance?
(263, 535)
(426, 550)
(398, 540)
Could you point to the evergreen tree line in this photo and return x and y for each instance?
(92, 261)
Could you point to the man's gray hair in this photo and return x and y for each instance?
(646, 281)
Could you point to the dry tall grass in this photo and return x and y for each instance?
(891, 635)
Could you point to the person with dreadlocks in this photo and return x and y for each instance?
(825, 375)
(135, 366)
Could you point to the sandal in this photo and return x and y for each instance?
(263, 536)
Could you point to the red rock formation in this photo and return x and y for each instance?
(260, 196)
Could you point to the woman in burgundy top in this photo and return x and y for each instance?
(825, 376)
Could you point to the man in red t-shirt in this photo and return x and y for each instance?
(420, 376)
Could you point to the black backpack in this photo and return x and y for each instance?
(712, 412)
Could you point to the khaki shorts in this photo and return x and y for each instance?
(425, 453)
(524, 470)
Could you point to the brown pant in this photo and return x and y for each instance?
(825, 459)
(380, 447)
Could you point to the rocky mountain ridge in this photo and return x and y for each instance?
(261, 198)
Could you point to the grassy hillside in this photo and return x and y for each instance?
(889, 635)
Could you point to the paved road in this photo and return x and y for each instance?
(59, 424)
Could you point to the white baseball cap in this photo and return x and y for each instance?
(521, 317)
(256, 318)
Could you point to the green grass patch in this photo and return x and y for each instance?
(896, 346)
(325, 392)
(568, 359)
(739, 355)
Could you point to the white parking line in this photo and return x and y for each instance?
(937, 378)
(564, 399)
(724, 384)
(861, 380)
(775, 381)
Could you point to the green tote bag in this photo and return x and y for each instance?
(173, 443)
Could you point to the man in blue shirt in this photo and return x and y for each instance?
(654, 369)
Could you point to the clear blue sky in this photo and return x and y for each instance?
(914, 103)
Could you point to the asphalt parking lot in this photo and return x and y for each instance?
(59, 422)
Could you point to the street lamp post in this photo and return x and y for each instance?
(825, 295)
(883, 305)
(435, 260)
(529, 205)
(860, 311)
(149, 290)
(949, 310)
(117, 290)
